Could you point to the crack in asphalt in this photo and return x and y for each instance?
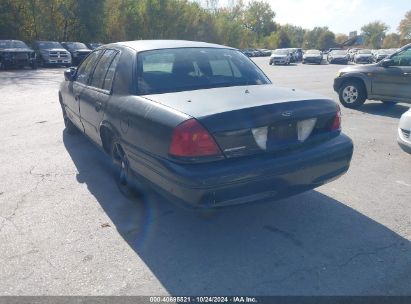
(318, 269)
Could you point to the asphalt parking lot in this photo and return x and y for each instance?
(65, 228)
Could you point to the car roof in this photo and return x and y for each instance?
(146, 45)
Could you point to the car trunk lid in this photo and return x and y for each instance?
(256, 119)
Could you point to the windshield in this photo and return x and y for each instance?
(364, 52)
(315, 52)
(75, 45)
(12, 44)
(184, 69)
(49, 45)
(281, 52)
(339, 52)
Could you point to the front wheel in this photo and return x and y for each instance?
(352, 94)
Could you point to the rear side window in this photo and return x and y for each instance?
(108, 80)
(101, 68)
(87, 66)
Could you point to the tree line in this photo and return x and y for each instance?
(236, 24)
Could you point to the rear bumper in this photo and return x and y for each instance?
(245, 179)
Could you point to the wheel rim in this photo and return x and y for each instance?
(350, 94)
(121, 161)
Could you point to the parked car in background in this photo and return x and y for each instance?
(404, 132)
(388, 81)
(296, 54)
(51, 53)
(363, 56)
(77, 50)
(15, 53)
(351, 53)
(338, 56)
(312, 56)
(280, 56)
(93, 45)
(381, 54)
(202, 124)
(265, 52)
(330, 50)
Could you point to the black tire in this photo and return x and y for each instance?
(69, 126)
(352, 94)
(121, 167)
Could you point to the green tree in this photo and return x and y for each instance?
(340, 38)
(294, 33)
(405, 27)
(258, 17)
(391, 41)
(312, 38)
(374, 34)
(326, 40)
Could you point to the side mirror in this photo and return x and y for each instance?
(387, 62)
(70, 74)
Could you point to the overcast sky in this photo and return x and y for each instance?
(341, 16)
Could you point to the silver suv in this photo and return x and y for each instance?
(388, 81)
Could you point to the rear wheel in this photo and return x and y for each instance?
(69, 126)
(121, 166)
(352, 94)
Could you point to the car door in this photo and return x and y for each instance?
(75, 88)
(98, 92)
(394, 81)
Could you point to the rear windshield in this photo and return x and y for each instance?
(185, 69)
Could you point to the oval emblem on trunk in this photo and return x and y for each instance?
(287, 113)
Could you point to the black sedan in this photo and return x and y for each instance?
(15, 53)
(202, 124)
(77, 50)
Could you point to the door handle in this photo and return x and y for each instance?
(406, 74)
(98, 106)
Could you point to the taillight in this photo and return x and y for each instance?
(191, 139)
(337, 120)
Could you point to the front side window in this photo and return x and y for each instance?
(86, 67)
(402, 58)
(185, 69)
